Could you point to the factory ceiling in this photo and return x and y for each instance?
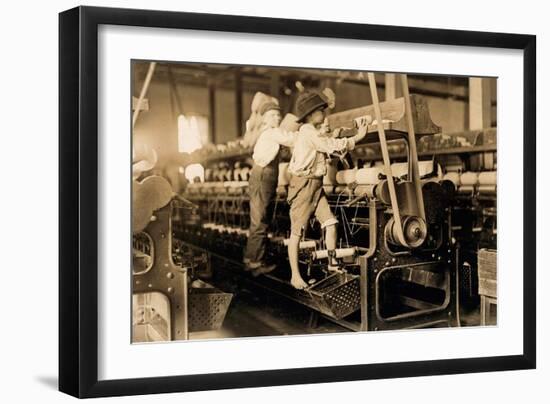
(259, 78)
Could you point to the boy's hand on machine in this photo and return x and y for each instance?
(361, 131)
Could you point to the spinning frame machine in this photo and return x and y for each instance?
(398, 258)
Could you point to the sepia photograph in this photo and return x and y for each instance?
(282, 201)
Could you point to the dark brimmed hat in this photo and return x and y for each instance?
(268, 106)
(307, 102)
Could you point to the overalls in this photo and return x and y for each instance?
(262, 186)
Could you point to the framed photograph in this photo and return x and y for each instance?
(251, 202)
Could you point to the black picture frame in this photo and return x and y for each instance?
(78, 196)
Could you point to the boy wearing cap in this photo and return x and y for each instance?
(262, 184)
(308, 166)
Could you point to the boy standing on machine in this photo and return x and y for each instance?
(308, 165)
(263, 184)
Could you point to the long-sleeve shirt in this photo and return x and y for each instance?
(269, 143)
(311, 150)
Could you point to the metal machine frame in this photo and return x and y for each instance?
(164, 276)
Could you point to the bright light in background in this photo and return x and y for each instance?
(193, 171)
(192, 133)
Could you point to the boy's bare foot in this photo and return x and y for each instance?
(298, 283)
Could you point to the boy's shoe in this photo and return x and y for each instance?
(263, 269)
(246, 262)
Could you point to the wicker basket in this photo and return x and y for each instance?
(487, 272)
(207, 308)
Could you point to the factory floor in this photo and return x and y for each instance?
(254, 312)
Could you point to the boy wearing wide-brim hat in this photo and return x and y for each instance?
(308, 165)
(262, 184)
